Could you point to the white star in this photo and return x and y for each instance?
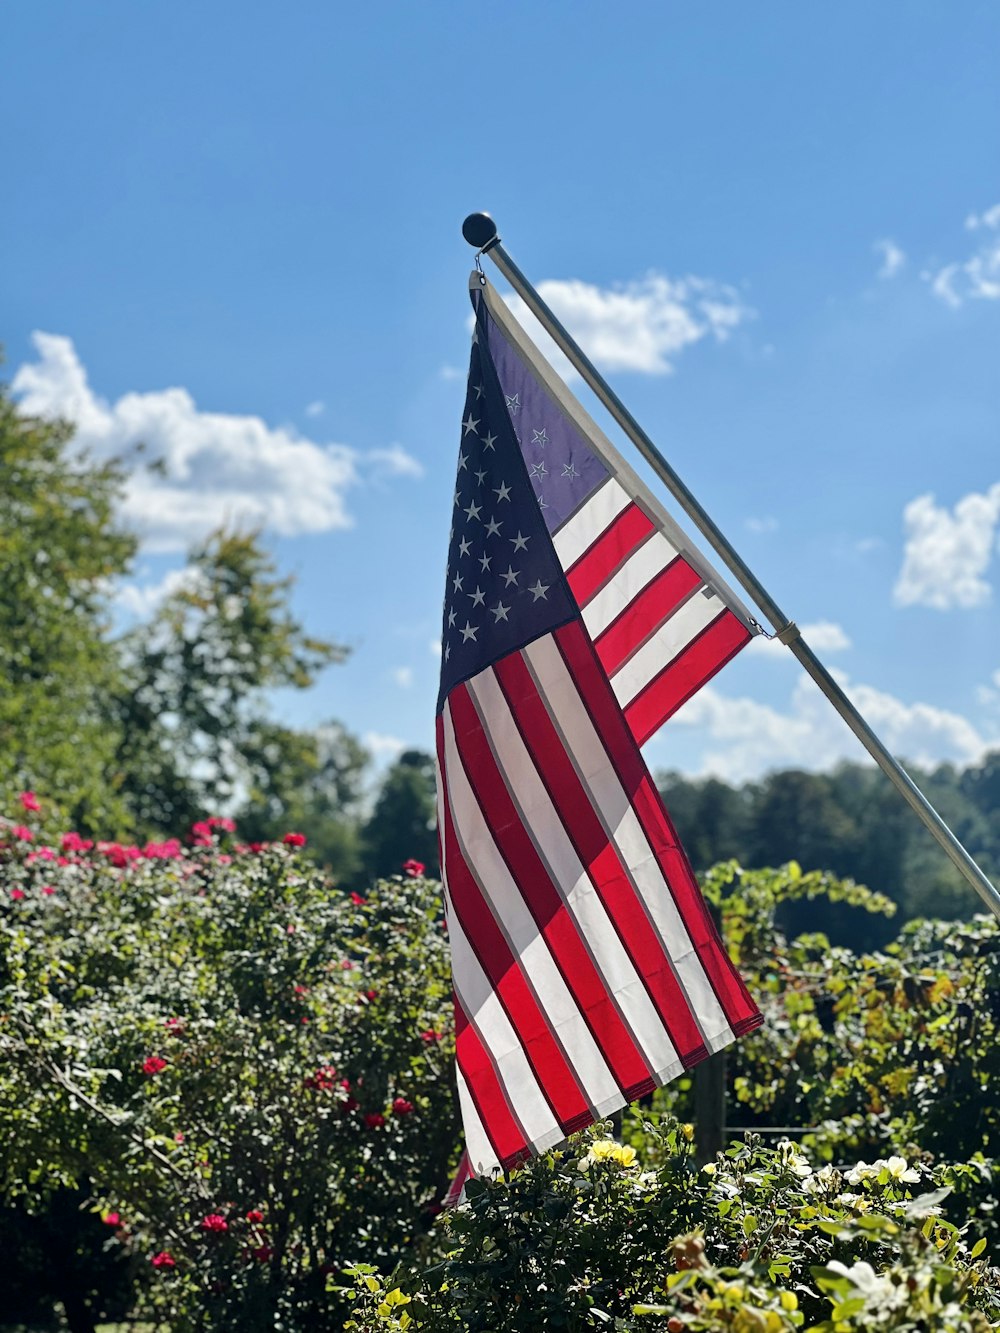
(484, 563)
(478, 597)
(503, 493)
(569, 471)
(519, 543)
(500, 611)
(464, 547)
(539, 590)
(489, 441)
(539, 470)
(462, 460)
(473, 510)
(470, 425)
(493, 528)
(469, 632)
(539, 437)
(451, 619)
(447, 651)
(481, 477)
(513, 404)
(511, 576)
(456, 583)
(542, 504)
(479, 390)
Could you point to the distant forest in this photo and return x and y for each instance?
(853, 822)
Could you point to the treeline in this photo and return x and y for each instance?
(854, 823)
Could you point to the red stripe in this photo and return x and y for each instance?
(542, 898)
(645, 613)
(700, 660)
(581, 661)
(505, 1134)
(599, 856)
(554, 1076)
(602, 558)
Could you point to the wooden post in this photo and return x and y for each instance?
(709, 1107)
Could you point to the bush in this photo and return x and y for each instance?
(248, 1073)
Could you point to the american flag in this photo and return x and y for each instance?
(586, 968)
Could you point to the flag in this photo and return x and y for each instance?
(587, 970)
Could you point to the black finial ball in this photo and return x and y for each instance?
(479, 229)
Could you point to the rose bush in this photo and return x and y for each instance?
(247, 1070)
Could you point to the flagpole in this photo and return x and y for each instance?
(480, 231)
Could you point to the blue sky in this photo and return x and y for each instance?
(237, 228)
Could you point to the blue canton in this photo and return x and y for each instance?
(505, 586)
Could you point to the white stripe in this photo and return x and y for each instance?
(477, 1143)
(521, 930)
(623, 588)
(488, 1016)
(580, 531)
(618, 816)
(661, 648)
(545, 826)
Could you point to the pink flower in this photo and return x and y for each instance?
(112, 1219)
(214, 1222)
(174, 1025)
(374, 1119)
(430, 1035)
(294, 839)
(29, 800)
(255, 1216)
(48, 890)
(402, 1107)
(17, 894)
(346, 965)
(357, 900)
(72, 842)
(413, 868)
(178, 1137)
(22, 834)
(153, 1064)
(163, 1260)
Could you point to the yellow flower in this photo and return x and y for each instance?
(625, 1154)
(688, 1132)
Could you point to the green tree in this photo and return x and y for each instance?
(61, 545)
(402, 826)
(193, 722)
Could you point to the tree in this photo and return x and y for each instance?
(402, 826)
(194, 725)
(61, 544)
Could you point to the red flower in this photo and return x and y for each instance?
(299, 989)
(349, 1104)
(323, 1079)
(374, 1119)
(294, 839)
(413, 868)
(402, 1107)
(227, 825)
(22, 834)
(163, 1260)
(174, 1025)
(214, 1222)
(29, 800)
(430, 1035)
(255, 1216)
(262, 1253)
(112, 1219)
(48, 890)
(371, 994)
(17, 894)
(259, 846)
(357, 900)
(153, 1064)
(72, 842)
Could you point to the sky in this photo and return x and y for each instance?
(232, 232)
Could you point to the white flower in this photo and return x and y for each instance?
(792, 1160)
(878, 1291)
(899, 1170)
(822, 1181)
(863, 1171)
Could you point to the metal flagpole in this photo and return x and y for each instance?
(480, 231)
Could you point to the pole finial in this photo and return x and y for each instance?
(479, 230)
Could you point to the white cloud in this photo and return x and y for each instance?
(747, 738)
(948, 552)
(435, 647)
(403, 676)
(214, 467)
(975, 278)
(315, 409)
(382, 746)
(451, 373)
(893, 258)
(641, 325)
(142, 599)
(823, 636)
(761, 526)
